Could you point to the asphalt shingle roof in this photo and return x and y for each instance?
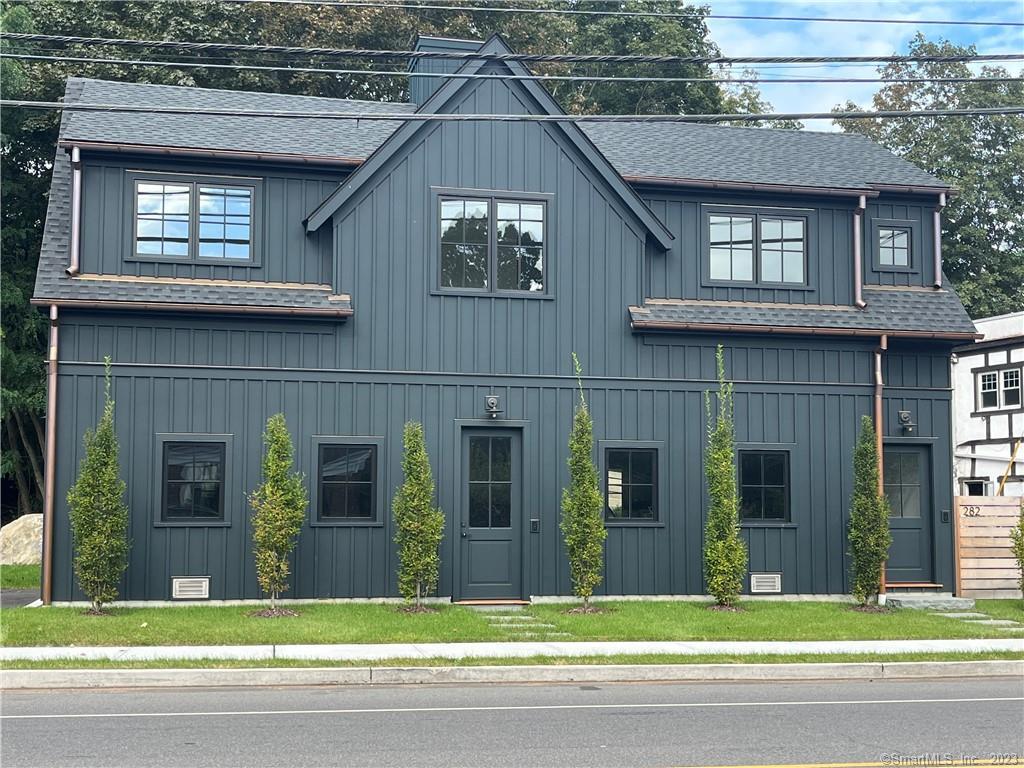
(650, 150)
(916, 310)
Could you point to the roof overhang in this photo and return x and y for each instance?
(224, 309)
(665, 326)
(219, 154)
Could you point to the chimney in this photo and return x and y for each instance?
(422, 88)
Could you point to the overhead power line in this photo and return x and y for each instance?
(627, 14)
(361, 53)
(563, 118)
(485, 76)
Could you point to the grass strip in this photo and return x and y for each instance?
(19, 576)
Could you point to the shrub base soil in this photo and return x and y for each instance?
(870, 609)
(273, 613)
(727, 608)
(585, 609)
(417, 609)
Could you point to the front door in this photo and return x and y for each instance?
(907, 477)
(490, 515)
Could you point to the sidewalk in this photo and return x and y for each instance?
(369, 652)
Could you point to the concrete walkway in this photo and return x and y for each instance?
(372, 652)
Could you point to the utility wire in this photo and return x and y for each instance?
(562, 118)
(626, 14)
(521, 57)
(484, 76)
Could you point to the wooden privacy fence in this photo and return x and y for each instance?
(985, 565)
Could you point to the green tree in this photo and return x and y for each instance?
(746, 98)
(582, 505)
(725, 553)
(868, 535)
(278, 510)
(1017, 544)
(99, 515)
(983, 225)
(419, 525)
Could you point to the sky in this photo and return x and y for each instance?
(783, 38)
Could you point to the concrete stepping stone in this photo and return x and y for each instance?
(995, 622)
(511, 617)
(530, 626)
(964, 615)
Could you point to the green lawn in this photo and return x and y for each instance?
(513, 661)
(19, 576)
(1002, 609)
(374, 623)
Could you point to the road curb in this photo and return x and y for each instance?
(590, 673)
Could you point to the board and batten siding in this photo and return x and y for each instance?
(219, 376)
(286, 252)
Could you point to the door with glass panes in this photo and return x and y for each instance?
(907, 480)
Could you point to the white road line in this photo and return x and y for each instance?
(509, 708)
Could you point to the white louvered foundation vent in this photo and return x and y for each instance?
(765, 583)
(190, 588)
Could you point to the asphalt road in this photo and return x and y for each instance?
(517, 725)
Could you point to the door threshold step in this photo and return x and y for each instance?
(911, 585)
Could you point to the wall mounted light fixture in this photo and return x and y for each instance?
(907, 422)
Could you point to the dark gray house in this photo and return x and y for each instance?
(356, 274)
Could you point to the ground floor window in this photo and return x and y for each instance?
(764, 486)
(347, 475)
(975, 487)
(193, 481)
(631, 484)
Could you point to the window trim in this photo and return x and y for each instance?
(162, 438)
(491, 197)
(999, 372)
(913, 254)
(379, 500)
(756, 213)
(132, 180)
(762, 522)
(660, 473)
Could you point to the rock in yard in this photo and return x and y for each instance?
(21, 541)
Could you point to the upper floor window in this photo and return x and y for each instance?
(757, 248)
(492, 244)
(186, 220)
(893, 247)
(999, 389)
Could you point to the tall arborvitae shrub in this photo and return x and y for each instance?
(1017, 540)
(419, 525)
(278, 510)
(99, 515)
(582, 505)
(869, 536)
(725, 553)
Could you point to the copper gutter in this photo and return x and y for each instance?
(241, 309)
(914, 189)
(883, 345)
(858, 266)
(937, 217)
(76, 210)
(749, 186)
(50, 459)
(654, 325)
(223, 154)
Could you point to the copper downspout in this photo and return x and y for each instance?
(883, 344)
(858, 266)
(937, 217)
(50, 461)
(76, 209)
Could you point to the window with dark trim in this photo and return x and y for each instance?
(764, 486)
(631, 484)
(757, 248)
(193, 481)
(347, 477)
(492, 244)
(894, 246)
(191, 220)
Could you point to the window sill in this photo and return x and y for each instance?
(191, 524)
(633, 524)
(346, 524)
(766, 524)
(899, 270)
(1000, 411)
(758, 286)
(251, 263)
(492, 294)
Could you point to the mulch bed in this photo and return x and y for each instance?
(273, 613)
(725, 608)
(585, 609)
(870, 609)
(417, 609)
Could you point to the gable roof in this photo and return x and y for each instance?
(638, 151)
(444, 95)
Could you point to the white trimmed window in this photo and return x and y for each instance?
(999, 389)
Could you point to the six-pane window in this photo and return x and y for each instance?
(893, 247)
(902, 476)
(999, 389)
(631, 484)
(764, 485)
(187, 220)
(757, 248)
(491, 244)
(193, 481)
(347, 476)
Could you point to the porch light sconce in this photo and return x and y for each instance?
(492, 405)
(907, 422)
